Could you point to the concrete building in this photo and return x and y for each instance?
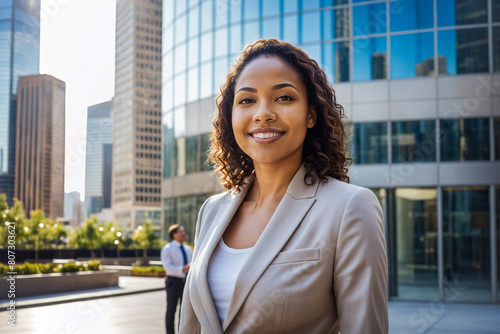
(137, 114)
(426, 141)
(39, 181)
(98, 158)
(73, 214)
(20, 45)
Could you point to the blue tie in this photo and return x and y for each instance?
(184, 257)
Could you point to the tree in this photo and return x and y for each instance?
(13, 215)
(87, 236)
(144, 237)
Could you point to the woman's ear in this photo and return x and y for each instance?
(311, 118)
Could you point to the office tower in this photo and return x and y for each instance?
(137, 114)
(19, 55)
(98, 157)
(39, 182)
(419, 81)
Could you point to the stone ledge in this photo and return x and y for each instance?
(44, 284)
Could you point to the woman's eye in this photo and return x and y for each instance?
(245, 101)
(285, 98)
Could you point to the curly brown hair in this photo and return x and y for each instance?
(325, 146)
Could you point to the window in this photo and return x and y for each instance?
(270, 7)
(336, 61)
(411, 14)
(251, 9)
(416, 229)
(251, 31)
(496, 48)
(235, 10)
(310, 4)
(193, 87)
(290, 29)
(412, 55)
(206, 46)
(336, 23)
(370, 59)
(290, 6)
(464, 50)
(194, 22)
(370, 143)
(496, 130)
(192, 154)
(221, 38)
(369, 19)
(180, 58)
(235, 39)
(465, 139)
(221, 13)
(180, 29)
(451, 12)
(206, 15)
(466, 241)
(310, 27)
(206, 80)
(271, 28)
(413, 141)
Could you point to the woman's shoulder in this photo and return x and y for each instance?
(343, 191)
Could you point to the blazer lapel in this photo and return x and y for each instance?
(207, 314)
(288, 215)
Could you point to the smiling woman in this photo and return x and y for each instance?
(291, 247)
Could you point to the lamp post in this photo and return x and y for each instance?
(117, 243)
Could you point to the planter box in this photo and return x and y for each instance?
(44, 284)
(148, 274)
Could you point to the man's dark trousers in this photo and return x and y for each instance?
(174, 287)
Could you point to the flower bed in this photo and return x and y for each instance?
(148, 271)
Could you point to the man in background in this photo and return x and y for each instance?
(176, 258)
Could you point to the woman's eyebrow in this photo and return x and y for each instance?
(248, 89)
(283, 85)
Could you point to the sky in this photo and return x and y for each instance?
(77, 46)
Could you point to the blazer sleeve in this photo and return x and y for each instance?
(189, 323)
(360, 268)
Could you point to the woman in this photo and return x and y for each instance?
(291, 247)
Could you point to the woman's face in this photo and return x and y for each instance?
(270, 113)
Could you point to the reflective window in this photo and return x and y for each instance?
(336, 61)
(221, 38)
(221, 13)
(205, 149)
(271, 28)
(193, 3)
(167, 100)
(496, 49)
(496, 12)
(411, 14)
(206, 15)
(270, 7)
(180, 89)
(369, 19)
(180, 7)
(496, 130)
(251, 9)
(310, 4)
(194, 21)
(452, 12)
(168, 11)
(291, 29)
(180, 130)
(412, 55)
(193, 88)
(220, 73)
(310, 27)
(181, 145)
(336, 23)
(413, 141)
(325, 3)
(416, 237)
(370, 143)
(168, 38)
(313, 51)
(497, 196)
(206, 80)
(290, 6)
(236, 44)
(193, 52)
(251, 31)
(235, 11)
(206, 46)
(168, 64)
(466, 242)
(370, 59)
(180, 29)
(192, 154)
(464, 50)
(180, 58)
(465, 139)
(169, 147)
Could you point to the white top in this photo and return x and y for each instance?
(172, 260)
(223, 269)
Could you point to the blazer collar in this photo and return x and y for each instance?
(290, 212)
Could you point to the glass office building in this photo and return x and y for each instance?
(19, 55)
(420, 83)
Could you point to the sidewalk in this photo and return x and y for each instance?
(128, 285)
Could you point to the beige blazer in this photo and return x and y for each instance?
(320, 265)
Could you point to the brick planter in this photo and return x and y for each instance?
(44, 284)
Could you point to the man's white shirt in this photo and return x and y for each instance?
(172, 259)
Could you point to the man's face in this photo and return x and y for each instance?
(180, 235)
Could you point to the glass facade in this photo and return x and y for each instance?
(366, 49)
(19, 55)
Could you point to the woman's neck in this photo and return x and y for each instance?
(271, 181)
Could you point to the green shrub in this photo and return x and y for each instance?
(94, 265)
(147, 270)
(70, 267)
(3, 269)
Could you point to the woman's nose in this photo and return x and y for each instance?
(264, 113)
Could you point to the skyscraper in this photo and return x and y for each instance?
(136, 189)
(19, 55)
(39, 159)
(98, 157)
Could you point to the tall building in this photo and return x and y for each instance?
(98, 157)
(426, 141)
(39, 181)
(137, 114)
(72, 209)
(20, 45)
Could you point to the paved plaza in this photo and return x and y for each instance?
(138, 306)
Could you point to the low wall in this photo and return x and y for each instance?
(44, 284)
